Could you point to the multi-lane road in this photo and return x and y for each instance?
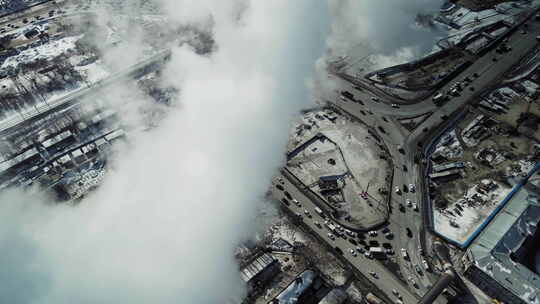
(379, 114)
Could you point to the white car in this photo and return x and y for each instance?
(397, 190)
(395, 106)
(331, 236)
(408, 202)
(352, 252)
(374, 274)
(295, 201)
(415, 206)
(426, 265)
(412, 188)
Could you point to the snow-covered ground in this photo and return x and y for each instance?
(45, 51)
(477, 205)
(93, 72)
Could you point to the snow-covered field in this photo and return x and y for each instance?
(45, 51)
(477, 206)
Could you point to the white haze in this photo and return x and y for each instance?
(163, 226)
(386, 29)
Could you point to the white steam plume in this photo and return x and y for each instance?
(163, 226)
(387, 29)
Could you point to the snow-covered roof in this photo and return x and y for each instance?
(291, 294)
(257, 266)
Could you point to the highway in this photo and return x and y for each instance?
(75, 96)
(385, 280)
(381, 116)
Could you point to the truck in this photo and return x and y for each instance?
(331, 227)
(377, 252)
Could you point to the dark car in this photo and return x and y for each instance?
(288, 195)
(280, 187)
(353, 241)
(285, 201)
(409, 233)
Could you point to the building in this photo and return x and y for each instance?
(296, 289)
(498, 261)
(330, 182)
(445, 176)
(261, 269)
(449, 166)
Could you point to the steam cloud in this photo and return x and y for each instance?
(387, 29)
(163, 226)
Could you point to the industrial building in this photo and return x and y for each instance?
(297, 289)
(330, 183)
(500, 261)
(261, 269)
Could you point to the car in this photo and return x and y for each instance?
(426, 265)
(372, 233)
(288, 195)
(415, 206)
(418, 270)
(395, 106)
(285, 201)
(352, 252)
(408, 202)
(368, 255)
(360, 250)
(412, 188)
(401, 208)
(395, 292)
(374, 243)
(389, 235)
(317, 224)
(331, 236)
(405, 168)
(306, 212)
(374, 274)
(397, 190)
(409, 232)
(389, 251)
(296, 202)
(280, 187)
(353, 241)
